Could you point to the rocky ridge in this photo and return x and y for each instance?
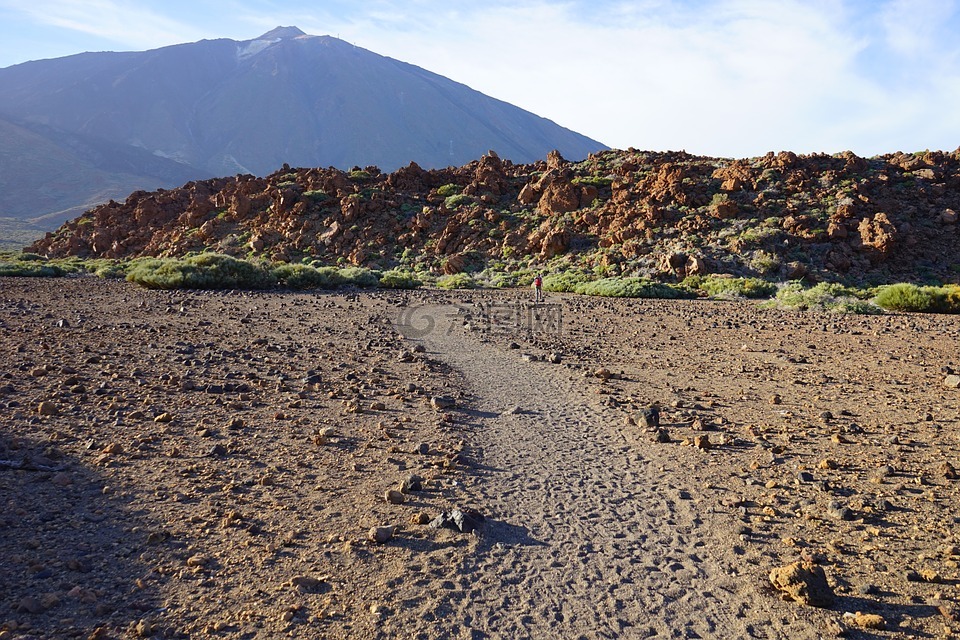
(664, 214)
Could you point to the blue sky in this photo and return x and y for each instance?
(732, 78)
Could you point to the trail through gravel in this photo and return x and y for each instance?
(587, 537)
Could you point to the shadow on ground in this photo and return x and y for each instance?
(71, 554)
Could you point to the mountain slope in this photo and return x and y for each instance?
(221, 107)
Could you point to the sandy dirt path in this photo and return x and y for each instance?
(588, 536)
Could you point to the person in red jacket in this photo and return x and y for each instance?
(538, 287)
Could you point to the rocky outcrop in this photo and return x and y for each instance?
(816, 217)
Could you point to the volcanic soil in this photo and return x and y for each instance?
(274, 464)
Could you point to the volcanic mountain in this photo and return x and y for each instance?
(82, 129)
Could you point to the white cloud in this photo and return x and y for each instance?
(719, 77)
(125, 23)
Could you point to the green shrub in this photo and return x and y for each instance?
(511, 279)
(316, 196)
(905, 297)
(765, 262)
(109, 269)
(448, 190)
(733, 287)
(398, 279)
(302, 276)
(204, 271)
(457, 200)
(565, 281)
(457, 281)
(597, 181)
(632, 287)
(910, 297)
(359, 277)
(826, 296)
(30, 269)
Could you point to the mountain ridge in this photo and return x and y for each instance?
(221, 107)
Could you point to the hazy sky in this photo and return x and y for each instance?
(731, 78)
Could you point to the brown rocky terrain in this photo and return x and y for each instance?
(825, 217)
(215, 464)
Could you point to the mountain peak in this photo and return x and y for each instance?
(281, 33)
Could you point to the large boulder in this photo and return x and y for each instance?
(878, 234)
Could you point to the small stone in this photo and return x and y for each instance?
(144, 628)
(828, 463)
(463, 520)
(803, 582)
(62, 479)
(423, 448)
(29, 604)
(650, 417)
(164, 417)
(307, 584)
(838, 511)
(870, 621)
(218, 450)
(947, 470)
(198, 560)
(931, 576)
(603, 373)
(378, 406)
(555, 358)
(662, 436)
(420, 518)
(702, 443)
(952, 381)
(394, 497)
(411, 484)
(776, 399)
(381, 534)
(114, 448)
(442, 403)
(47, 409)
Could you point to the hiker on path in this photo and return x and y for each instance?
(538, 287)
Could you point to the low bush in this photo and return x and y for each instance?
(359, 277)
(596, 181)
(510, 279)
(826, 296)
(565, 281)
(632, 287)
(30, 269)
(204, 271)
(910, 297)
(457, 200)
(457, 281)
(302, 276)
(732, 287)
(448, 190)
(109, 269)
(398, 279)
